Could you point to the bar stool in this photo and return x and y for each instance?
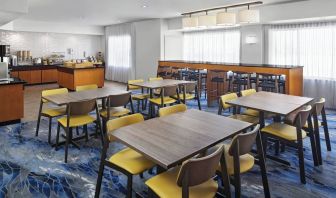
(240, 79)
(268, 82)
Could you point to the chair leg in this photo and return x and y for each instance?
(39, 119)
(86, 133)
(138, 104)
(313, 148)
(49, 132)
(68, 131)
(129, 186)
(326, 130)
(199, 103)
(77, 130)
(301, 162)
(101, 170)
(57, 136)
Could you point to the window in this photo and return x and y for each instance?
(212, 45)
(310, 45)
(119, 49)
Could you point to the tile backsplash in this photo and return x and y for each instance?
(44, 44)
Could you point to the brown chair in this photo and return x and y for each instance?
(116, 107)
(127, 161)
(50, 113)
(193, 179)
(292, 136)
(77, 115)
(237, 157)
(139, 97)
(165, 98)
(189, 92)
(318, 110)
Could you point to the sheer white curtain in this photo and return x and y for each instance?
(212, 45)
(312, 45)
(120, 53)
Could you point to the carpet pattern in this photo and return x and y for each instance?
(29, 167)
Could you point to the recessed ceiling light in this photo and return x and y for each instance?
(144, 6)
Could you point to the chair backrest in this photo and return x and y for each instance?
(227, 97)
(248, 92)
(189, 87)
(133, 87)
(86, 87)
(318, 107)
(53, 92)
(155, 78)
(169, 91)
(81, 107)
(302, 116)
(199, 170)
(172, 109)
(118, 100)
(117, 123)
(244, 142)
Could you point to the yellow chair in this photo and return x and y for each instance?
(223, 106)
(194, 179)
(237, 157)
(127, 161)
(172, 109)
(250, 112)
(77, 115)
(189, 92)
(138, 97)
(86, 87)
(50, 113)
(164, 99)
(291, 135)
(155, 78)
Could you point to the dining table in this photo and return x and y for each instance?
(168, 141)
(274, 103)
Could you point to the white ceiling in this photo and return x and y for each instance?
(105, 12)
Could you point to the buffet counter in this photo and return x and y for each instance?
(35, 74)
(70, 77)
(11, 100)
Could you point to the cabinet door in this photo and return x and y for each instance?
(25, 75)
(49, 75)
(36, 76)
(14, 74)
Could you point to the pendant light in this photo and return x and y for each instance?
(249, 16)
(189, 22)
(226, 18)
(206, 20)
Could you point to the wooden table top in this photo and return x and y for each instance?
(272, 102)
(170, 140)
(161, 83)
(62, 99)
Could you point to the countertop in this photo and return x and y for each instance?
(235, 64)
(11, 81)
(44, 67)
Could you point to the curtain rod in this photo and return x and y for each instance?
(223, 7)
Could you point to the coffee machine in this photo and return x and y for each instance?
(5, 53)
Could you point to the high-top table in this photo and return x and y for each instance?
(170, 140)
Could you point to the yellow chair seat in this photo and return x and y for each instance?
(131, 161)
(53, 112)
(115, 112)
(319, 124)
(188, 96)
(140, 96)
(246, 162)
(133, 87)
(164, 185)
(77, 120)
(166, 100)
(251, 112)
(284, 131)
(245, 118)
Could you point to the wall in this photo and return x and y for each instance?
(43, 44)
(148, 46)
(252, 53)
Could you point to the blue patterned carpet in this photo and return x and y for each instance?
(29, 167)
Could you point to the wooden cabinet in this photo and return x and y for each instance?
(11, 100)
(14, 74)
(35, 77)
(25, 75)
(49, 75)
